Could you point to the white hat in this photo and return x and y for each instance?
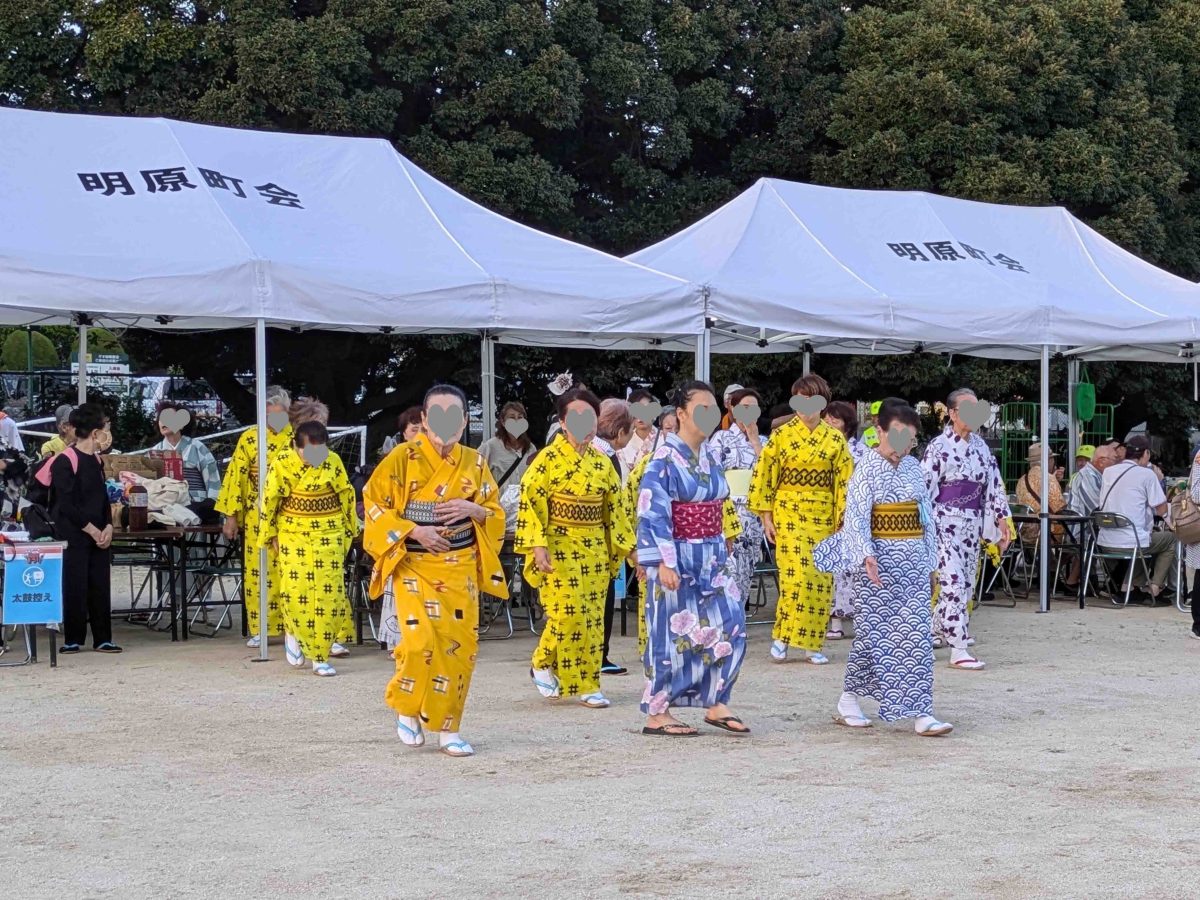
(731, 390)
(561, 384)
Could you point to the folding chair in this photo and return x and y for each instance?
(357, 572)
(1133, 556)
(767, 568)
(221, 560)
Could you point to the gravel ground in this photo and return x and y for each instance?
(189, 771)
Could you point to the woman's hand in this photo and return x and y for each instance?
(541, 559)
(430, 538)
(768, 522)
(632, 558)
(668, 578)
(274, 545)
(729, 545)
(457, 510)
(106, 537)
(871, 564)
(933, 581)
(640, 574)
(230, 528)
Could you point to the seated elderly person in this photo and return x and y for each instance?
(1131, 489)
(200, 469)
(1029, 488)
(66, 432)
(1088, 483)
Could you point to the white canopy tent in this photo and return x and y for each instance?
(128, 222)
(791, 266)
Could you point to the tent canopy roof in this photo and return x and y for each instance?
(159, 223)
(882, 271)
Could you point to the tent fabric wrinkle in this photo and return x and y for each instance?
(161, 223)
(900, 269)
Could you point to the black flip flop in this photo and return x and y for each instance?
(70, 648)
(109, 647)
(664, 730)
(723, 724)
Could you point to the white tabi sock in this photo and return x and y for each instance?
(849, 707)
(447, 737)
(924, 722)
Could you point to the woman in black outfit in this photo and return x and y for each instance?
(83, 518)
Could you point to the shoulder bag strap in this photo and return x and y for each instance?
(1113, 485)
(504, 478)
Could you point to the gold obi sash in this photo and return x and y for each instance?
(805, 479)
(568, 511)
(896, 521)
(303, 503)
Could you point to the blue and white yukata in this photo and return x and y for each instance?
(733, 450)
(697, 634)
(891, 658)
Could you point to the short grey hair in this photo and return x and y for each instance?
(959, 394)
(614, 418)
(277, 396)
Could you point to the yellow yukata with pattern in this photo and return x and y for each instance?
(309, 511)
(436, 594)
(573, 505)
(731, 527)
(239, 498)
(800, 478)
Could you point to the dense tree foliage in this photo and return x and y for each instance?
(618, 122)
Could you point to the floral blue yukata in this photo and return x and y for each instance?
(891, 658)
(697, 634)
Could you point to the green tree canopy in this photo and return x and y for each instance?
(15, 355)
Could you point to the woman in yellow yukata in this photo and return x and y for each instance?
(308, 520)
(573, 529)
(238, 502)
(434, 526)
(799, 488)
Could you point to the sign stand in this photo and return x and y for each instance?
(32, 593)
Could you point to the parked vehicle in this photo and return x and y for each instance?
(197, 396)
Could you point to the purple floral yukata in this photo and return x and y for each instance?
(969, 504)
(696, 636)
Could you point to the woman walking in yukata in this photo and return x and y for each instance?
(573, 529)
(888, 544)
(799, 489)
(695, 621)
(309, 521)
(736, 450)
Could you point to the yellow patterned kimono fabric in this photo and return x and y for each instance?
(436, 594)
(586, 555)
(801, 479)
(239, 498)
(731, 525)
(309, 510)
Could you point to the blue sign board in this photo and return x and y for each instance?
(33, 583)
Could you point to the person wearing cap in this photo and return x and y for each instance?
(1029, 488)
(1132, 489)
(1083, 456)
(726, 401)
(66, 432)
(870, 435)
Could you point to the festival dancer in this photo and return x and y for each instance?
(695, 621)
(434, 527)
(574, 531)
(799, 489)
(970, 506)
(238, 502)
(736, 450)
(309, 521)
(888, 542)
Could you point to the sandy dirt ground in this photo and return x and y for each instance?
(186, 770)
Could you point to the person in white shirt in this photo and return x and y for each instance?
(645, 435)
(1133, 490)
(10, 437)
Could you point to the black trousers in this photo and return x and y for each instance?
(1196, 602)
(610, 605)
(87, 592)
(205, 510)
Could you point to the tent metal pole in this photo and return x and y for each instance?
(487, 380)
(806, 364)
(260, 404)
(1072, 430)
(703, 350)
(1044, 512)
(83, 366)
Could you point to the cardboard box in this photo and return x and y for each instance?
(139, 464)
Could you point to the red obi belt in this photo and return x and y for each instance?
(697, 521)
